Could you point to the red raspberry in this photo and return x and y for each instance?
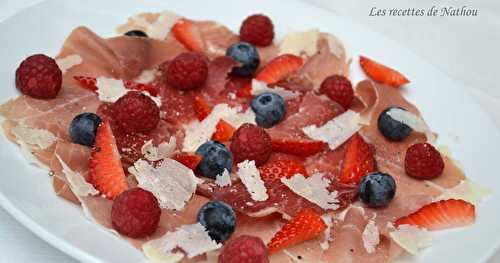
(423, 161)
(339, 89)
(136, 112)
(258, 30)
(187, 71)
(39, 76)
(251, 142)
(244, 249)
(135, 213)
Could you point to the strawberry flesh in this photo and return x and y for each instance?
(186, 32)
(358, 161)
(381, 73)
(297, 147)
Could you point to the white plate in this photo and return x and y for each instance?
(26, 191)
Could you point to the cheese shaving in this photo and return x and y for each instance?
(164, 150)
(411, 238)
(110, 90)
(412, 120)
(336, 131)
(300, 43)
(466, 190)
(146, 76)
(76, 181)
(162, 26)
(172, 183)
(371, 237)
(250, 177)
(192, 239)
(314, 189)
(259, 87)
(327, 234)
(39, 138)
(223, 179)
(68, 62)
(198, 133)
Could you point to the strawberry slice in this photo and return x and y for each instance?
(304, 226)
(381, 73)
(223, 131)
(186, 32)
(358, 161)
(276, 70)
(273, 171)
(105, 168)
(90, 83)
(297, 147)
(189, 160)
(441, 215)
(201, 108)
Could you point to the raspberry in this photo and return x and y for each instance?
(244, 249)
(251, 142)
(39, 76)
(258, 30)
(187, 71)
(423, 161)
(136, 112)
(339, 89)
(135, 213)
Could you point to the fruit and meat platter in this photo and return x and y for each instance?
(195, 143)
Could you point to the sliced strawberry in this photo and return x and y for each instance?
(297, 147)
(304, 226)
(441, 215)
(358, 161)
(90, 83)
(276, 70)
(151, 89)
(186, 32)
(223, 131)
(381, 73)
(201, 108)
(273, 171)
(105, 168)
(189, 160)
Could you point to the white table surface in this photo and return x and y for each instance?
(465, 48)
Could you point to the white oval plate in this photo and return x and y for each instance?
(26, 192)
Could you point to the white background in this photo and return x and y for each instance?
(465, 48)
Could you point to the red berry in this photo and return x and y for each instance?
(187, 71)
(39, 76)
(258, 30)
(423, 161)
(244, 249)
(339, 89)
(251, 142)
(135, 213)
(136, 112)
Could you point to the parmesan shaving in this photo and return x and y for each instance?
(336, 131)
(250, 177)
(314, 189)
(411, 238)
(172, 183)
(223, 179)
(412, 120)
(371, 237)
(300, 43)
(164, 150)
(192, 239)
(39, 138)
(327, 234)
(110, 90)
(68, 62)
(466, 190)
(162, 26)
(259, 87)
(146, 76)
(76, 181)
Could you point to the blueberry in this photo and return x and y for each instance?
(83, 128)
(219, 219)
(392, 129)
(377, 189)
(215, 158)
(269, 109)
(247, 55)
(136, 33)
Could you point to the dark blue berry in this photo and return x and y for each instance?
(247, 55)
(219, 219)
(215, 158)
(136, 33)
(377, 189)
(83, 128)
(392, 129)
(269, 109)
